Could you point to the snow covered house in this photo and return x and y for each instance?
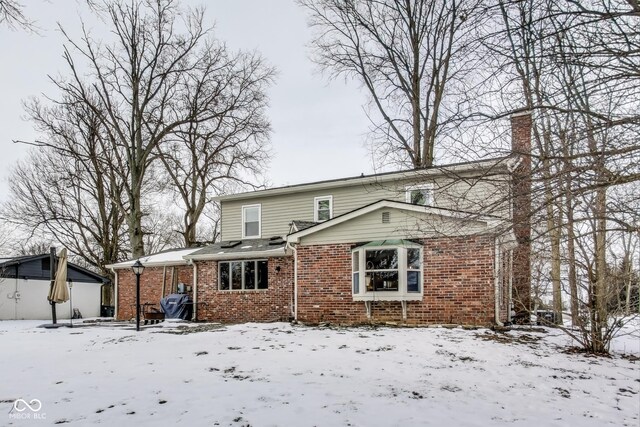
(25, 283)
(445, 244)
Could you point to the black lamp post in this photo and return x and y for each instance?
(137, 268)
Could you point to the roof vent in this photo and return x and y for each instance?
(230, 244)
(386, 217)
(276, 242)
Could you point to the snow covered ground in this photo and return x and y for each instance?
(283, 375)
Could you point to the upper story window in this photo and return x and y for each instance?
(251, 226)
(388, 272)
(420, 195)
(322, 208)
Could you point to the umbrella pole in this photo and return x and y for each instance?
(53, 313)
(52, 269)
(70, 303)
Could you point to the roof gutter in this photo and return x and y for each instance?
(122, 266)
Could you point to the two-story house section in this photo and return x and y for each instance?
(432, 245)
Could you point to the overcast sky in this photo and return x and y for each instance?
(319, 126)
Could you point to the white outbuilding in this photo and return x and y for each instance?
(25, 282)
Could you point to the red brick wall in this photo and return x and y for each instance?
(458, 288)
(272, 304)
(458, 285)
(150, 287)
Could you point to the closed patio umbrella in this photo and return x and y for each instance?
(59, 292)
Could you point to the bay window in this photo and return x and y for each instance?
(383, 270)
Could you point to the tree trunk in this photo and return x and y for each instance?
(600, 291)
(554, 222)
(628, 271)
(571, 236)
(134, 220)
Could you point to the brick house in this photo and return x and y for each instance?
(445, 244)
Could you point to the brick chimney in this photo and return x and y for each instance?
(521, 146)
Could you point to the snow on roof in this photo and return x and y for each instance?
(165, 258)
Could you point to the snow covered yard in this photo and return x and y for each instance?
(283, 375)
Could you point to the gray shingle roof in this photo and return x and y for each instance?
(241, 246)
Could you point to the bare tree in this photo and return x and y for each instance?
(149, 83)
(11, 14)
(411, 56)
(160, 229)
(200, 158)
(576, 66)
(67, 189)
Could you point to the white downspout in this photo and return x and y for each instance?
(510, 305)
(115, 289)
(496, 270)
(295, 281)
(195, 290)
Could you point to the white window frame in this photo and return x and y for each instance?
(244, 210)
(428, 187)
(401, 294)
(318, 199)
(242, 261)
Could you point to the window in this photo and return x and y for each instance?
(413, 270)
(381, 270)
(422, 195)
(356, 272)
(242, 275)
(251, 221)
(323, 208)
(387, 272)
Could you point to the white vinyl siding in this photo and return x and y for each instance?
(402, 225)
(278, 211)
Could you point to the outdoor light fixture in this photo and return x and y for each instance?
(137, 268)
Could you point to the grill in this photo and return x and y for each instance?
(177, 306)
